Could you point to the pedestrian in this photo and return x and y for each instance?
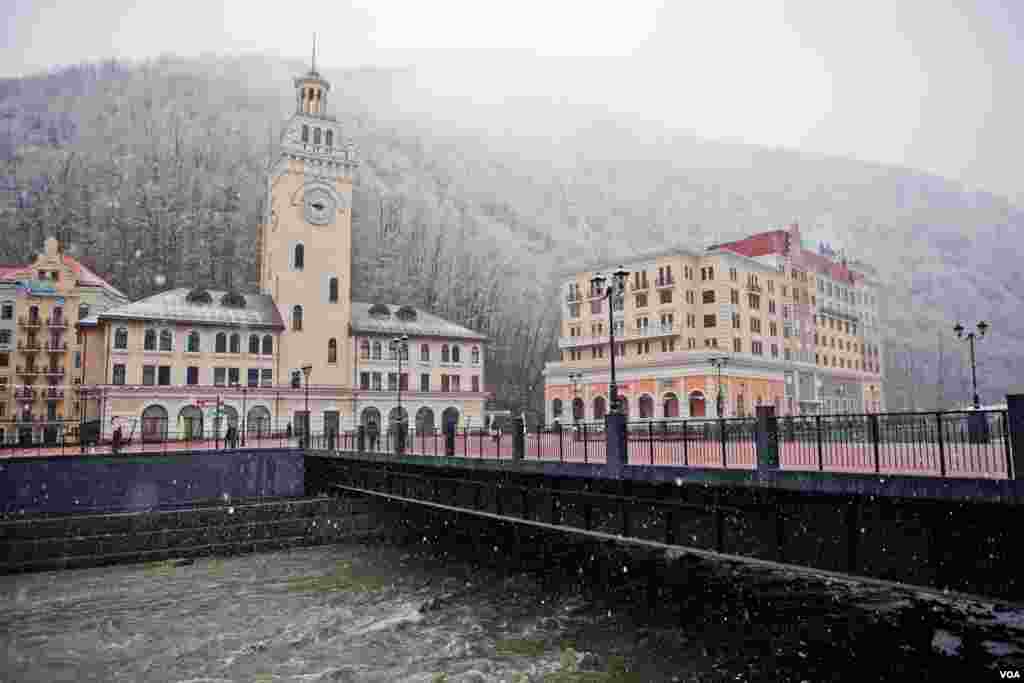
(288, 431)
(116, 440)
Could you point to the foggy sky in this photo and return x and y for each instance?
(929, 84)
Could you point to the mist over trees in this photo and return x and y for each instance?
(154, 175)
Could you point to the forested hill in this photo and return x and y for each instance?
(158, 169)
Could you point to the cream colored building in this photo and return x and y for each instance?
(169, 362)
(786, 324)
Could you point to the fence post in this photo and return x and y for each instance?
(1015, 420)
(584, 443)
(650, 442)
(686, 439)
(873, 422)
(561, 449)
(518, 439)
(766, 438)
(721, 427)
(821, 450)
(615, 435)
(942, 447)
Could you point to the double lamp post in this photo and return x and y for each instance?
(611, 289)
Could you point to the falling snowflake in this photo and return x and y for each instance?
(159, 280)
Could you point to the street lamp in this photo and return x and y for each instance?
(614, 288)
(575, 378)
(244, 388)
(718, 362)
(398, 346)
(969, 337)
(306, 371)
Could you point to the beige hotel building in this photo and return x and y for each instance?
(794, 327)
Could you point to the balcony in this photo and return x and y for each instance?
(30, 345)
(570, 342)
(54, 394)
(665, 282)
(653, 331)
(57, 322)
(29, 321)
(753, 287)
(53, 372)
(24, 395)
(28, 370)
(642, 287)
(56, 347)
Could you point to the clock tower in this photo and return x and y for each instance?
(305, 242)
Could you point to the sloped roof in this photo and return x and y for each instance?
(425, 324)
(84, 275)
(756, 245)
(173, 306)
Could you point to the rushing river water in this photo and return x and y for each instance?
(394, 613)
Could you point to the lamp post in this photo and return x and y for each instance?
(244, 388)
(970, 337)
(306, 371)
(718, 362)
(615, 287)
(398, 345)
(575, 378)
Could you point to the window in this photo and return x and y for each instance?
(164, 376)
(78, 360)
(456, 351)
(708, 296)
(7, 312)
(641, 301)
(775, 350)
(376, 350)
(329, 138)
(299, 257)
(254, 343)
(756, 348)
(305, 133)
(754, 300)
(222, 343)
(297, 318)
(733, 275)
(755, 325)
(574, 310)
(445, 354)
(445, 383)
(166, 340)
(5, 336)
(364, 381)
(773, 329)
(316, 136)
(267, 377)
(236, 343)
(737, 345)
(332, 350)
(771, 306)
(476, 384)
(253, 377)
(148, 375)
(476, 355)
(709, 321)
(118, 373)
(736, 321)
(268, 345)
(233, 376)
(734, 296)
(455, 383)
(219, 376)
(193, 342)
(121, 338)
(332, 290)
(424, 382)
(83, 311)
(192, 375)
(665, 296)
(595, 306)
(149, 341)
(375, 383)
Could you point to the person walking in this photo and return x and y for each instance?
(116, 440)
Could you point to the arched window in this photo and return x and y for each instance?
(376, 350)
(305, 133)
(646, 407)
(332, 290)
(556, 407)
(671, 405)
(364, 349)
(236, 343)
(599, 408)
(268, 345)
(193, 342)
(297, 318)
(332, 350)
(330, 138)
(149, 341)
(404, 351)
(445, 354)
(83, 311)
(33, 313)
(424, 352)
(456, 351)
(476, 355)
(58, 313)
(166, 340)
(299, 260)
(577, 408)
(316, 136)
(121, 338)
(222, 343)
(254, 343)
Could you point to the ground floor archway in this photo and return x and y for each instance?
(190, 423)
(698, 407)
(424, 420)
(154, 423)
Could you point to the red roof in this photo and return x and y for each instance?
(84, 275)
(757, 245)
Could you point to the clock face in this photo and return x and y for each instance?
(320, 207)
